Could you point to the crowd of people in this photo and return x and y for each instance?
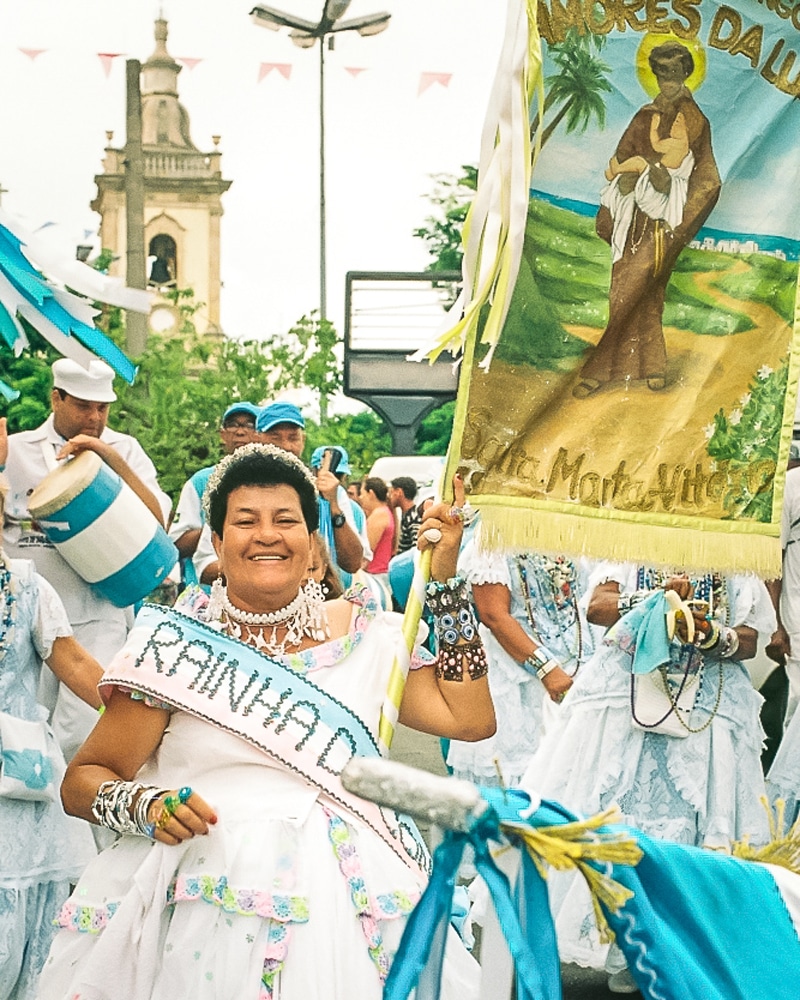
(202, 744)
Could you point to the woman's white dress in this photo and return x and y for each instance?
(287, 897)
(783, 779)
(41, 849)
(520, 697)
(704, 789)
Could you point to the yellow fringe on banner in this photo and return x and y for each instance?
(784, 846)
(515, 524)
(582, 845)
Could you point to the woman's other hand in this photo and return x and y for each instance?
(178, 816)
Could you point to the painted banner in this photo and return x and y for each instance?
(637, 399)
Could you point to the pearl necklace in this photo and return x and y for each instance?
(303, 617)
(268, 618)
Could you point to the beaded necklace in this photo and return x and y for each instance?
(562, 577)
(712, 589)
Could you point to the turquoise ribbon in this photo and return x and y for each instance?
(642, 632)
(524, 915)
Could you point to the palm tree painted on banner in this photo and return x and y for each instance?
(577, 88)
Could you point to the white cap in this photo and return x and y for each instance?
(94, 383)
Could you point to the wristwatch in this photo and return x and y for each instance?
(338, 520)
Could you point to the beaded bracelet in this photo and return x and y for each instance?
(726, 645)
(456, 631)
(711, 641)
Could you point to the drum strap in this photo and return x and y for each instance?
(49, 455)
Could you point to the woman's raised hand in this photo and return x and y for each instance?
(441, 530)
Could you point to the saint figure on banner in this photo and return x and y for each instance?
(663, 184)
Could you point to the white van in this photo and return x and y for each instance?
(425, 470)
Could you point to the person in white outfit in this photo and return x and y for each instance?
(80, 404)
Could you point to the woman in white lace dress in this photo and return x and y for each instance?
(700, 787)
(535, 639)
(41, 849)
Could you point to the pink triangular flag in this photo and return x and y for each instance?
(355, 70)
(428, 79)
(285, 70)
(32, 53)
(107, 60)
(188, 62)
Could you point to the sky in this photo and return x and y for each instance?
(384, 138)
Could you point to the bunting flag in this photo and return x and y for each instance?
(355, 71)
(53, 305)
(285, 70)
(629, 327)
(188, 62)
(32, 53)
(107, 60)
(428, 79)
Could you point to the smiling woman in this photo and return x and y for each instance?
(277, 882)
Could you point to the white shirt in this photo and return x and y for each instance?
(99, 625)
(188, 513)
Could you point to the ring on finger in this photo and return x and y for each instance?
(456, 514)
(163, 818)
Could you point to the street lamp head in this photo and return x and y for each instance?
(302, 40)
(272, 18)
(376, 26)
(262, 19)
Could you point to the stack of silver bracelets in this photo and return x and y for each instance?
(114, 807)
(541, 662)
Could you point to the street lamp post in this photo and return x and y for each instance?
(305, 34)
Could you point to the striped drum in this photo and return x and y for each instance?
(102, 529)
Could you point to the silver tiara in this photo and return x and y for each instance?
(285, 457)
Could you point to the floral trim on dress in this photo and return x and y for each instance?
(85, 919)
(282, 907)
(274, 958)
(148, 699)
(369, 911)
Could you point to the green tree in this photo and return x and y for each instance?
(433, 436)
(183, 386)
(185, 382)
(441, 231)
(306, 357)
(29, 374)
(578, 86)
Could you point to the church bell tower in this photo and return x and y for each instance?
(183, 193)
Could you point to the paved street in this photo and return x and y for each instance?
(422, 751)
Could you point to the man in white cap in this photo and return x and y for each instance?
(80, 401)
(238, 428)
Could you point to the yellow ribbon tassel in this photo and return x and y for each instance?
(581, 845)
